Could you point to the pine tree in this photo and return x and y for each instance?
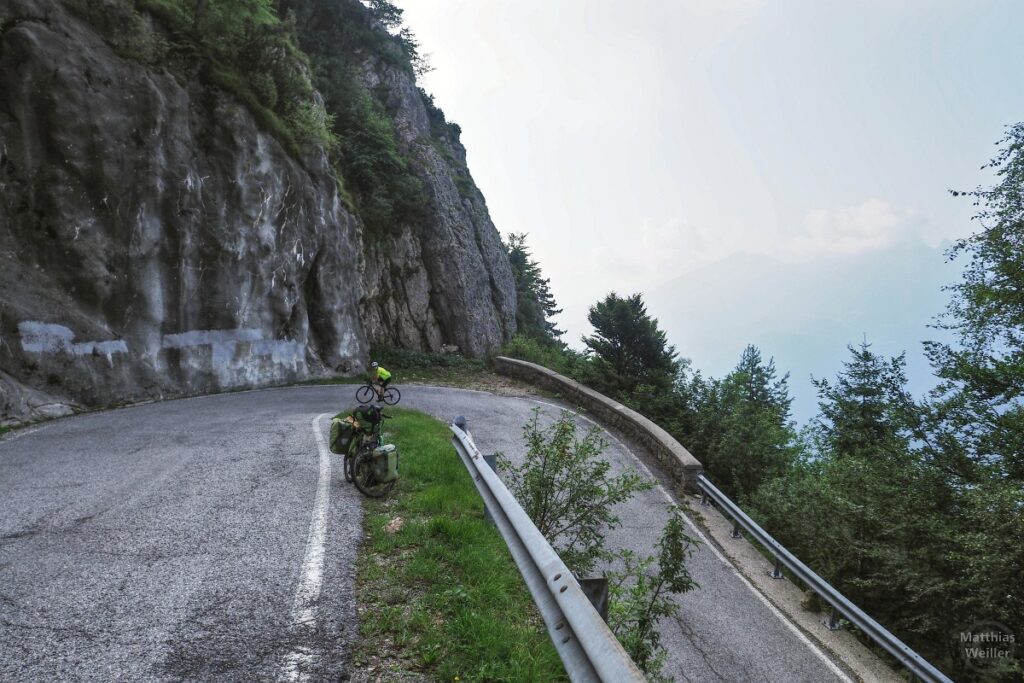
(859, 507)
(744, 435)
(979, 404)
(628, 349)
(973, 428)
(535, 303)
(867, 410)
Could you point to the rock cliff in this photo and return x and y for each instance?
(156, 240)
(449, 279)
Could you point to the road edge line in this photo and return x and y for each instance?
(307, 594)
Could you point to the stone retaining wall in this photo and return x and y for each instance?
(672, 455)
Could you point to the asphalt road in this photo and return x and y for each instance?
(209, 539)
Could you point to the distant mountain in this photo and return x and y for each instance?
(805, 314)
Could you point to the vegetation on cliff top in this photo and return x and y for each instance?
(297, 66)
(241, 46)
(535, 304)
(343, 39)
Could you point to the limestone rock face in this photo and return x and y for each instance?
(154, 241)
(453, 272)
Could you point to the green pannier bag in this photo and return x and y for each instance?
(342, 431)
(385, 463)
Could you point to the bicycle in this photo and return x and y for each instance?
(368, 394)
(359, 466)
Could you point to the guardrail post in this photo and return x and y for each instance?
(776, 573)
(704, 500)
(597, 591)
(735, 529)
(832, 623)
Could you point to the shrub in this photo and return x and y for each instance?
(123, 28)
(407, 359)
(311, 124)
(561, 360)
(568, 490)
(640, 598)
(244, 47)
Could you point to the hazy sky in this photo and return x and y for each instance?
(764, 146)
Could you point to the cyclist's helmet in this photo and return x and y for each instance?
(374, 364)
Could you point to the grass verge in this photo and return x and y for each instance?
(440, 597)
(434, 368)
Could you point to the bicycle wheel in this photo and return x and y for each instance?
(392, 396)
(347, 467)
(365, 394)
(362, 472)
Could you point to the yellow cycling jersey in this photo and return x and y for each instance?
(383, 374)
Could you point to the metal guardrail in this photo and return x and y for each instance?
(913, 662)
(588, 648)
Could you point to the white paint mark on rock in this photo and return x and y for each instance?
(281, 351)
(349, 344)
(49, 338)
(225, 342)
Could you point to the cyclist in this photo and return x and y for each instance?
(382, 378)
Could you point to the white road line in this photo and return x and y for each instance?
(714, 549)
(760, 596)
(601, 427)
(296, 663)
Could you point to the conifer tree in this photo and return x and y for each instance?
(979, 403)
(867, 410)
(973, 426)
(746, 437)
(628, 348)
(856, 506)
(535, 303)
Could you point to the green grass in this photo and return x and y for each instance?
(442, 596)
(332, 380)
(4, 430)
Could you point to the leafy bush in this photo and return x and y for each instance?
(561, 360)
(639, 598)
(310, 122)
(568, 491)
(123, 28)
